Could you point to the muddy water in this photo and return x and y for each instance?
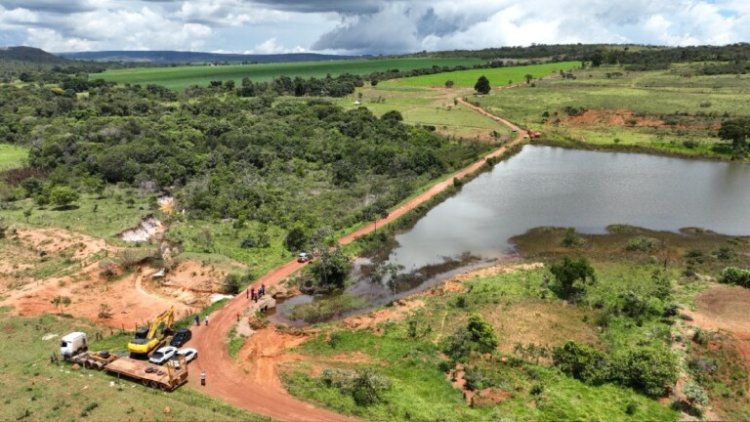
(547, 186)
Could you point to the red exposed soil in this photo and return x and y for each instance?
(623, 117)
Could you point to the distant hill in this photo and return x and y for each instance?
(30, 55)
(168, 57)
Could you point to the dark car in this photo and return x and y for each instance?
(180, 338)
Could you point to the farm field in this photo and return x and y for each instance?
(428, 107)
(12, 156)
(498, 76)
(657, 110)
(180, 77)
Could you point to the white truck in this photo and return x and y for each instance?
(73, 344)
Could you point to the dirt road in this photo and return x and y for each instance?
(228, 381)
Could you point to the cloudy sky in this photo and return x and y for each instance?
(363, 26)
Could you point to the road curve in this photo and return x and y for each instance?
(226, 380)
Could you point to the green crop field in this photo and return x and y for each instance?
(12, 156)
(497, 76)
(181, 77)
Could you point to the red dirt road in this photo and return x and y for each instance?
(228, 381)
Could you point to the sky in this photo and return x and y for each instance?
(364, 26)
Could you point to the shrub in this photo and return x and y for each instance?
(476, 336)
(572, 277)
(364, 385)
(695, 394)
(571, 239)
(640, 244)
(105, 311)
(649, 370)
(582, 362)
(734, 275)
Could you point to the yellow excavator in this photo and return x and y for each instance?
(147, 338)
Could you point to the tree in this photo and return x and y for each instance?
(63, 196)
(332, 268)
(60, 300)
(528, 78)
(483, 85)
(296, 239)
(737, 131)
(477, 336)
(572, 277)
(449, 84)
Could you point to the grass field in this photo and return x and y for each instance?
(12, 156)
(99, 217)
(424, 106)
(659, 111)
(33, 389)
(498, 76)
(182, 76)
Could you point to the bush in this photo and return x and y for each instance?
(364, 385)
(650, 370)
(640, 244)
(734, 275)
(476, 336)
(572, 277)
(695, 394)
(582, 362)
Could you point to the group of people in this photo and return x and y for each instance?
(254, 295)
(198, 320)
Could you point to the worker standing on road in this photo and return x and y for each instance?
(197, 320)
(247, 293)
(203, 378)
(206, 320)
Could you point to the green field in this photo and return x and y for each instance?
(498, 76)
(181, 77)
(659, 110)
(12, 156)
(424, 106)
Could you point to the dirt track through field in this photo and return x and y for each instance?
(228, 381)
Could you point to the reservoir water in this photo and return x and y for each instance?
(588, 190)
(548, 186)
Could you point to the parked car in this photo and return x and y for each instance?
(162, 355)
(181, 337)
(303, 257)
(189, 353)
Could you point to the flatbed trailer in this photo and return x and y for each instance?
(167, 377)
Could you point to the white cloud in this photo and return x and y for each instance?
(272, 46)
(367, 26)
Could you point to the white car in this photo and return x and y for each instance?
(189, 353)
(162, 355)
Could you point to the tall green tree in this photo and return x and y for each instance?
(483, 85)
(737, 131)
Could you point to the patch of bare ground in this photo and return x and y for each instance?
(485, 397)
(721, 310)
(628, 118)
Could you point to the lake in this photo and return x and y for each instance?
(588, 190)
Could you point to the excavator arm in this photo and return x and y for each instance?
(143, 344)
